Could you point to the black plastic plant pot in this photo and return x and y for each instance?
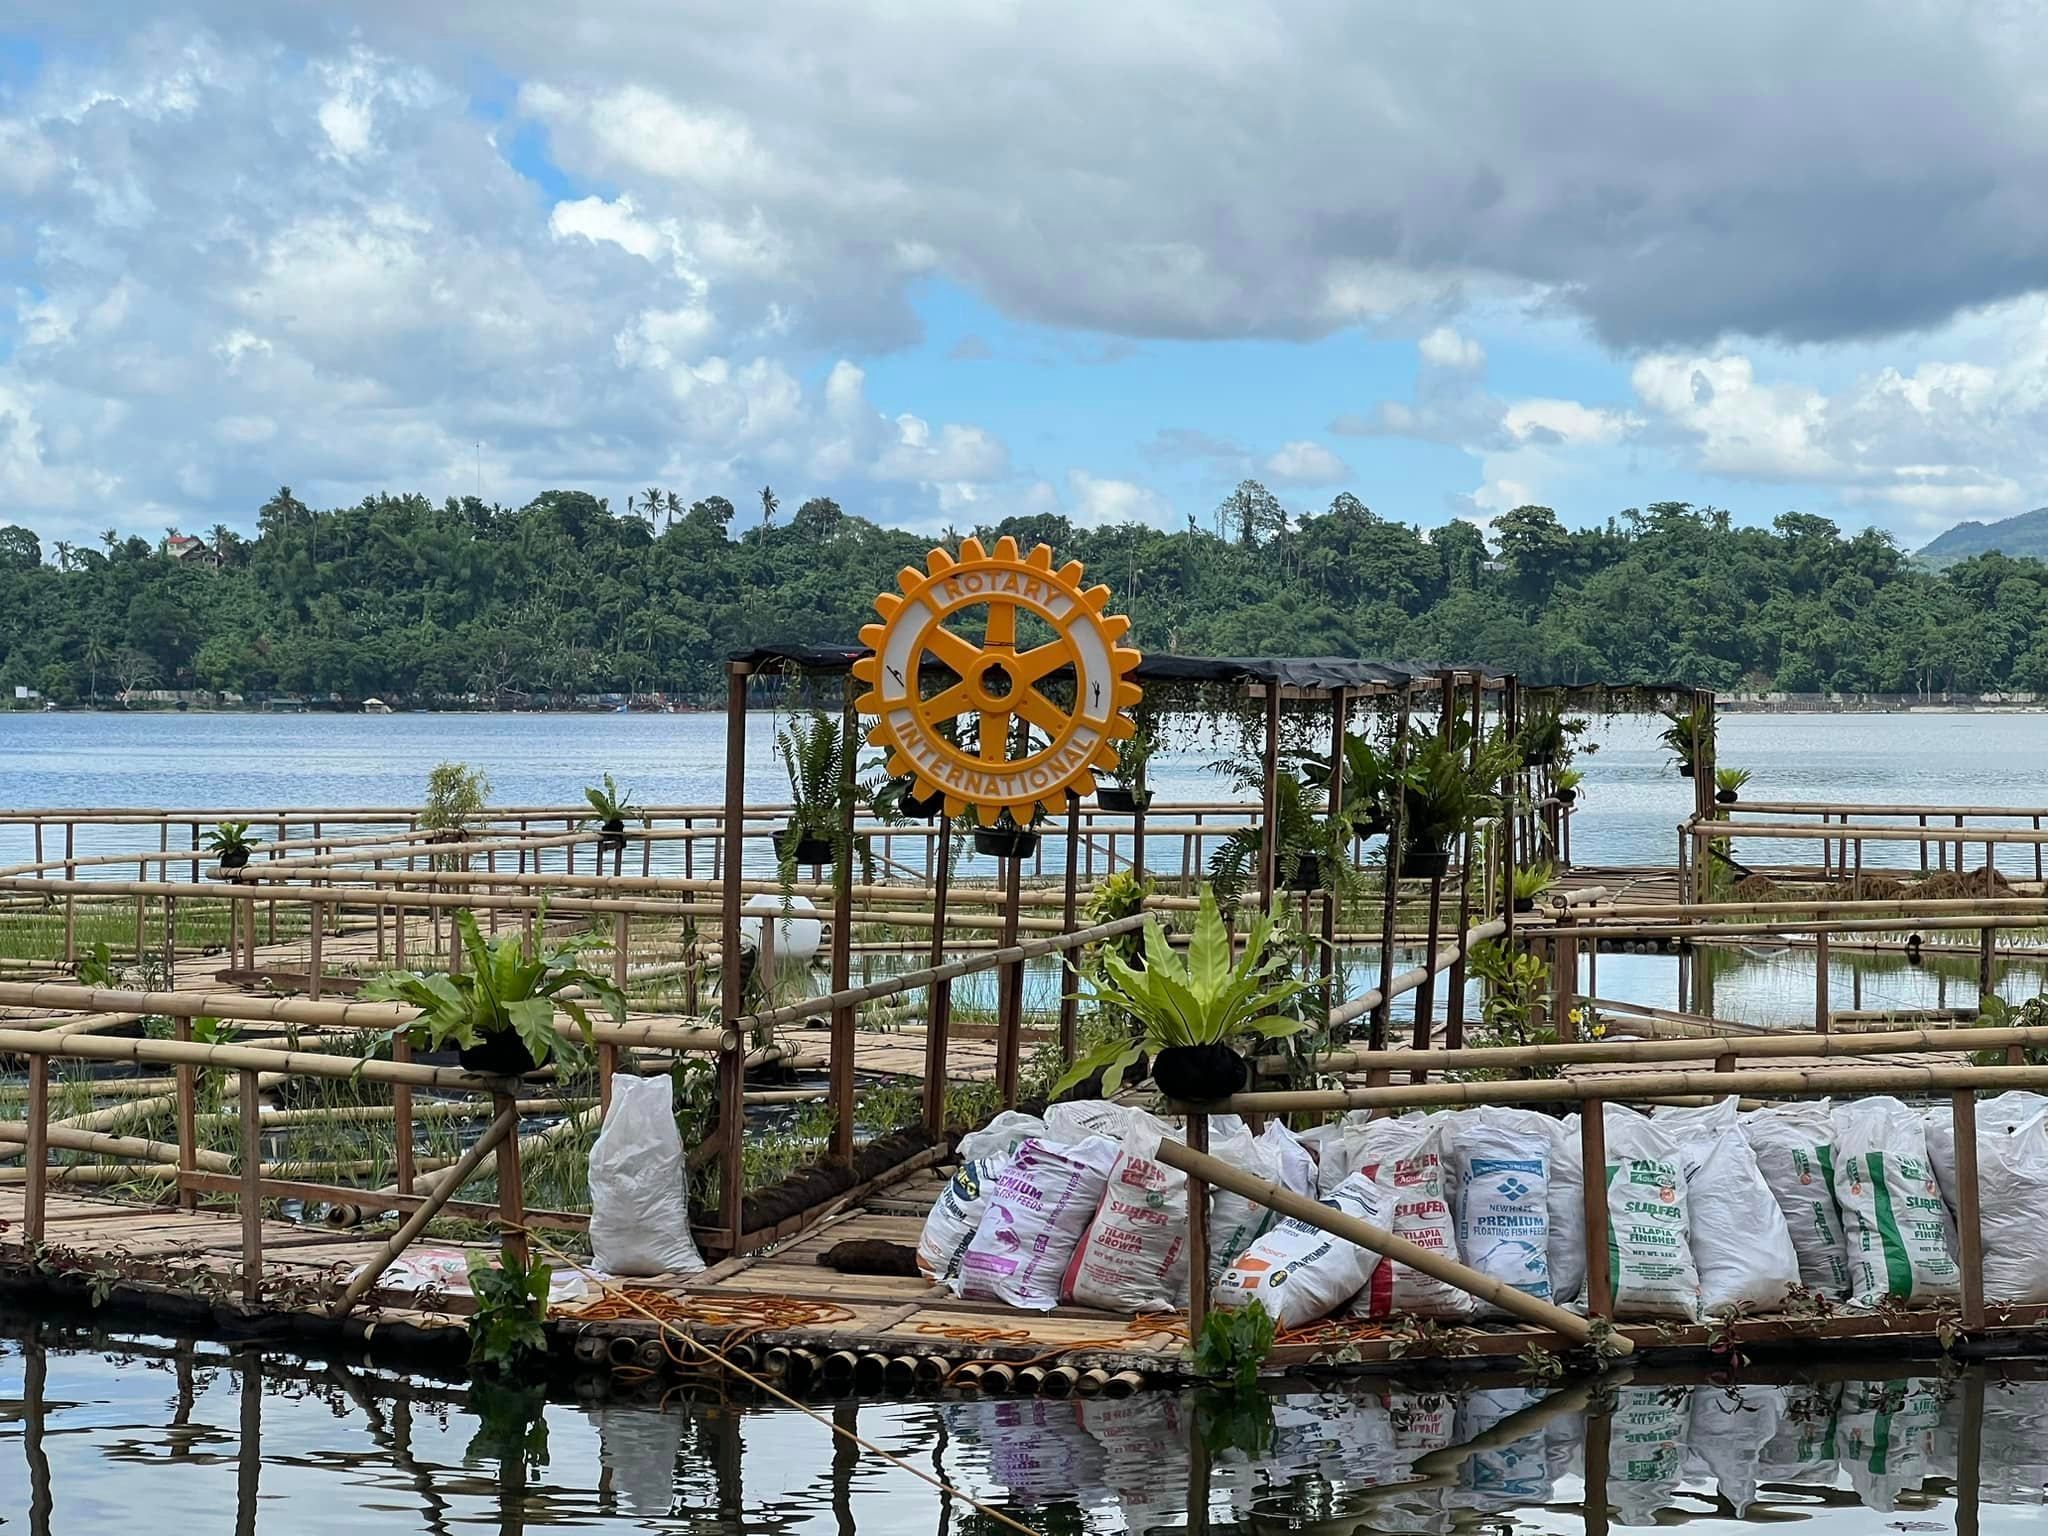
(1199, 1074)
(805, 850)
(1126, 802)
(1724, 796)
(1425, 863)
(1003, 843)
(501, 1055)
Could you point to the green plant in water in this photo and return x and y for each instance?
(1233, 1345)
(1368, 783)
(502, 990)
(1517, 987)
(1308, 840)
(505, 1330)
(1448, 786)
(1688, 735)
(456, 795)
(231, 837)
(1207, 998)
(609, 803)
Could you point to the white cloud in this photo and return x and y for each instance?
(1306, 463)
(1097, 501)
(1445, 348)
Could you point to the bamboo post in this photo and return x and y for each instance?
(494, 1137)
(188, 1121)
(512, 1244)
(252, 1188)
(1198, 1230)
(1269, 800)
(732, 1108)
(842, 935)
(938, 1015)
(1010, 990)
(1593, 1161)
(404, 1166)
(1326, 1219)
(1070, 1001)
(34, 1196)
(1383, 1013)
(1969, 1220)
(1821, 999)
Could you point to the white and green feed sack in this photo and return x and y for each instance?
(1893, 1220)
(1649, 1248)
(1300, 1273)
(1795, 1151)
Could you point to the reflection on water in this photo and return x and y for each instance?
(199, 1437)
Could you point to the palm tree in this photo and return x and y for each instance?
(769, 503)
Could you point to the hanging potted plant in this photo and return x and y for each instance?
(1568, 782)
(1445, 790)
(1127, 793)
(231, 845)
(1542, 738)
(1005, 838)
(1728, 784)
(1367, 781)
(1190, 1011)
(499, 1011)
(612, 808)
(813, 753)
(1313, 852)
(1530, 884)
(1688, 733)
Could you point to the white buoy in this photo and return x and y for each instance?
(796, 937)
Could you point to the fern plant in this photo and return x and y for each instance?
(1208, 998)
(503, 991)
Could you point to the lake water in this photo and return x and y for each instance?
(1631, 805)
(145, 1433)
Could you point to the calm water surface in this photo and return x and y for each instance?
(144, 1433)
(1631, 804)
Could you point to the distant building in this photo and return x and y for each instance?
(185, 546)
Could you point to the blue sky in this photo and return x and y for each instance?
(948, 265)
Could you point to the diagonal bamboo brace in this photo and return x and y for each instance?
(504, 1125)
(1324, 1219)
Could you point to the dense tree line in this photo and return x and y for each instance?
(408, 600)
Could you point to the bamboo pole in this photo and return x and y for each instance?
(502, 1125)
(1323, 1218)
(1782, 1082)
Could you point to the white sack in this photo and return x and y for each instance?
(2012, 1208)
(1739, 1239)
(1501, 1160)
(1892, 1213)
(956, 1215)
(639, 1187)
(1300, 1273)
(1795, 1152)
(1134, 1256)
(1042, 1204)
(1420, 1187)
(1649, 1250)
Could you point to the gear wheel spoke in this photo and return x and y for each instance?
(997, 682)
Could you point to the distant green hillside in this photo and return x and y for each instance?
(2024, 534)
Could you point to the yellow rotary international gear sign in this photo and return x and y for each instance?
(998, 683)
